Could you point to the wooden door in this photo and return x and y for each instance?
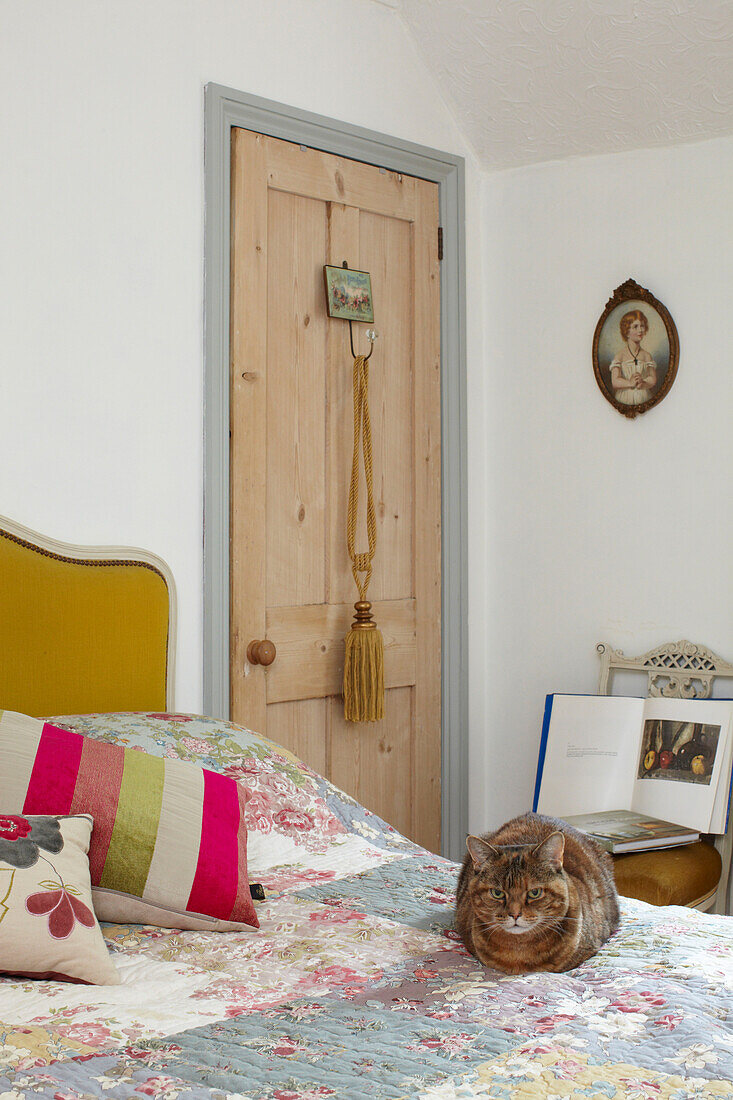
(295, 209)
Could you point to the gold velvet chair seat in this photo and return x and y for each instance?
(687, 875)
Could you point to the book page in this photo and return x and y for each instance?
(684, 752)
(721, 806)
(590, 755)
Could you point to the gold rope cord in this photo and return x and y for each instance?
(364, 653)
(361, 563)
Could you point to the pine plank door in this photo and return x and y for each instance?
(295, 209)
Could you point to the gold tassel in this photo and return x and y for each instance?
(364, 668)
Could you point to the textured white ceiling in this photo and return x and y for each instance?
(533, 80)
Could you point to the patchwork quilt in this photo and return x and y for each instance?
(355, 984)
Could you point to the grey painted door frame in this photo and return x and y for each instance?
(226, 108)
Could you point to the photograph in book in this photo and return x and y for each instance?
(682, 752)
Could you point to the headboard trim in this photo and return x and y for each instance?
(78, 560)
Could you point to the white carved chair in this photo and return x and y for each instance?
(677, 670)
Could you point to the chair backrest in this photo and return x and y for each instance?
(675, 670)
(83, 629)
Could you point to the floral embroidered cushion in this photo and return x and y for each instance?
(169, 845)
(47, 924)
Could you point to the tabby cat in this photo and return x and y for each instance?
(536, 894)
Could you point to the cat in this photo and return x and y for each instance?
(536, 894)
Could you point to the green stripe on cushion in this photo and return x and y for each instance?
(136, 825)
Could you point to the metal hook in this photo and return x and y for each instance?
(371, 337)
(371, 334)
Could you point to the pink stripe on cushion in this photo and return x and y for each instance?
(243, 908)
(215, 882)
(97, 793)
(55, 771)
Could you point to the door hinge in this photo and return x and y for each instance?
(440, 242)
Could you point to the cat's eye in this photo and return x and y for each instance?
(535, 893)
(496, 893)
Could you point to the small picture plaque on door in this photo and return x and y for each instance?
(348, 294)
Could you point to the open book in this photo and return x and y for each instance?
(664, 758)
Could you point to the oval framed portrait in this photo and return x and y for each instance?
(636, 350)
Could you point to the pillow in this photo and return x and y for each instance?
(169, 845)
(301, 829)
(47, 925)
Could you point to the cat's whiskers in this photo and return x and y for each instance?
(493, 927)
(552, 927)
(557, 924)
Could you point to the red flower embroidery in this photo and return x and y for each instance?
(63, 911)
(336, 916)
(293, 819)
(90, 1034)
(171, 718)
(13, 827)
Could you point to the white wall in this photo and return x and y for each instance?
(599, 528)
(101, 224)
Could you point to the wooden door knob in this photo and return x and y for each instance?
(261, 653)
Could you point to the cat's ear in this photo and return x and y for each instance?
(551, 850)
(479, 851)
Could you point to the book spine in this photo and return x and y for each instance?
(543, 749)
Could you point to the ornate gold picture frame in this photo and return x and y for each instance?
(635, 350)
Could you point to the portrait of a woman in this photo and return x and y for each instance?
(635, 350)
(633, 371)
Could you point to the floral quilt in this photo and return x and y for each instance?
(355, 984)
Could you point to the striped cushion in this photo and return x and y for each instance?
(169, 844)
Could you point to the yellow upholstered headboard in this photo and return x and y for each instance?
(83, 629)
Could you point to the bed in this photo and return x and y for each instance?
(355, 984)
